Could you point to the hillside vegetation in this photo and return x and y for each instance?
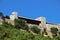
(21, 31)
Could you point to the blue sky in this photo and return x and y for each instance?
(33, 8)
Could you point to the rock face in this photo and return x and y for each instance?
(9, 21)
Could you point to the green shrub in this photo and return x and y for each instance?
(35, 29)
(54, 31)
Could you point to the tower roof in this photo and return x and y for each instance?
(14, 13)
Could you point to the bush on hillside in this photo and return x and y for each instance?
(54, 31)
(35, 29)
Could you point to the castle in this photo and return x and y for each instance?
(39, 22)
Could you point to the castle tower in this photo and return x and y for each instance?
(14, 15)
(43, 21)
(42, 25)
